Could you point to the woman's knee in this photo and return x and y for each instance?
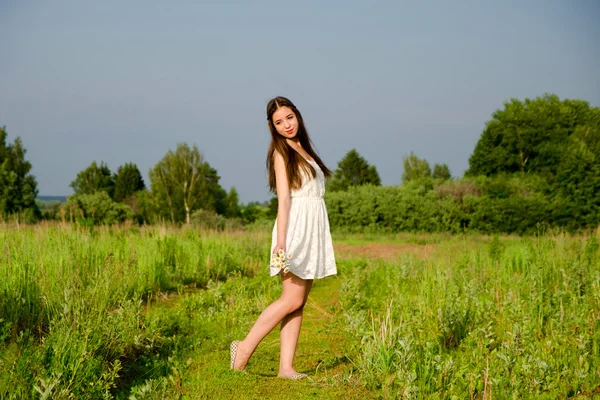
(296, 304)
(301, 306)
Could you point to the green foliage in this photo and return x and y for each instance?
(415, 168)
(410, 208)
(183, 182)
(510, 203)
(142, 206)
(255, 211)
(496, 249)
(553, 139)
(74, 307)
(128, 180)
(232, 204)
(48, 208)
(353, 170)
(578, 179)
(99, 208)
(441, 171)
(489, 205)
(95, 178)
(530, 136)
(273, 207)
(476, 317)
(18, 188)
(207, 219)
(475, 321)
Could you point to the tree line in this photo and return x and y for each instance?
(183, 187)
(537, 162)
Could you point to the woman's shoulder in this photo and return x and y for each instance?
(277, 157)
(276, 153)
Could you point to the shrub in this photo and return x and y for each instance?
(208, 219)
(97, 207)
(490, 205)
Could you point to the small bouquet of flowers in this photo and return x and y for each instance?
(281, 260)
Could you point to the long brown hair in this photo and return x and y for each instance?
(294, 162)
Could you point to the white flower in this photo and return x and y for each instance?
(280, 260)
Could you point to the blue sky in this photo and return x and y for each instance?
(126, 81)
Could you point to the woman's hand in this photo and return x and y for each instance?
(279, 246)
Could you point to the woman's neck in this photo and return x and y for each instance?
(295, 144)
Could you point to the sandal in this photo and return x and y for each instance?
(233, 352)
(295, 377)
(233, 347)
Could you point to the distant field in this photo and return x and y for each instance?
(148, 313)
(62, 199)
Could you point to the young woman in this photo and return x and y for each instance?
(301, 242)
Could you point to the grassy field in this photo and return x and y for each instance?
(148, 313)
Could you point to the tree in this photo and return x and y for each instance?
(529, 136)
(141, 204)
(353, 170)
(254, 211)
(18, 188)
(554, 140)
(441, 171)
(232, 204)
(183, 182)
(273, 207)
(415, 168)
(128, 180)
(93, 179)
(578, 179)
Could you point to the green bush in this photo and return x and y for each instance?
(413, 207)
(514, 214)
(99, 208)
(490, 205)
(254, 211)
(208, 219)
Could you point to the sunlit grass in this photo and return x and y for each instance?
(71, 300)
(516, 319)
(144, 313)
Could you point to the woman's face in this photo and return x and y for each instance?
(285, 122)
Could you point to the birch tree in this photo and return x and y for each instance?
(183, 182)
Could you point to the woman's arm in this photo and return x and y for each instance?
(283, 198)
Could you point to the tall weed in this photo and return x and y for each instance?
(512, 319)
(72, 301)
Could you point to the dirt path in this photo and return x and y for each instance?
(322, 354)
(324, 348)
(386, 251)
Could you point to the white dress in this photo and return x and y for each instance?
(308, 239)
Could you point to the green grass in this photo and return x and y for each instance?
(324, 353)
(72, 303)
(149, 313)
(516, 319)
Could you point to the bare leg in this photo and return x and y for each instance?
(290, 331)
(294, 293)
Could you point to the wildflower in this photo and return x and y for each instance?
(280, 260)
